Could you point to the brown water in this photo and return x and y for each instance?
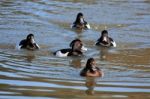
(28, 75)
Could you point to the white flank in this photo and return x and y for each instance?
(18, 47)
(88, 26)
(114, 44)
(37, 45)
(71, 26)
(59, 54)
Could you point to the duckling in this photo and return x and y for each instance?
(105, 40)
(29, 43)
(76, 49)
(80, 23)
(91, 70)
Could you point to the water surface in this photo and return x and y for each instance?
(39, 74)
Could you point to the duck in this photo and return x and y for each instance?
(76, 49)
(29, 43)
(105, 40)
(80, 22)
(91, 70)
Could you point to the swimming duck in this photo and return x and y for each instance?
(76, 49)
(29, 43)
(90, 70)
(105, 40)
(80, 23)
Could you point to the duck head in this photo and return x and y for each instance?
(30, 42)
(78, 45)
(80, 18)
(30, 39)
(105, 37)
(91, 65)
(91, 70)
